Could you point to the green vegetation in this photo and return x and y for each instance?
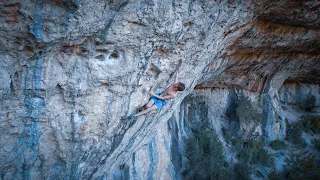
(277, 144)
(284, 108)
(249, 153)
(311, 124)
(122, 166)
(294, 132)
(204, 150)
(309, 103)
(252, 152)
(205, 155)
(241, 171)
(316, 143)
(308, 124)
(299, 166)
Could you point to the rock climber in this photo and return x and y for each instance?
(158, 100)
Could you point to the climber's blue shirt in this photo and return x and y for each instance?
(158, 102)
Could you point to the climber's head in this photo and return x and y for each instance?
(179, 86)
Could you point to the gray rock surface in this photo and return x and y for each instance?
(71, 69)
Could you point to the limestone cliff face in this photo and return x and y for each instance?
(71, 69)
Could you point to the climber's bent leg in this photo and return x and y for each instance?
(153, 107)
(146, 106)
(150, 103)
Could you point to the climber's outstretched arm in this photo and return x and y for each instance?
(179, 68)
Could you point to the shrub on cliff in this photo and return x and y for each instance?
(204, 152)
(277, 144)
(311, 124)
(299, 166)
(294, 132)
(252, 152)
(309, 103)
(316, 143)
